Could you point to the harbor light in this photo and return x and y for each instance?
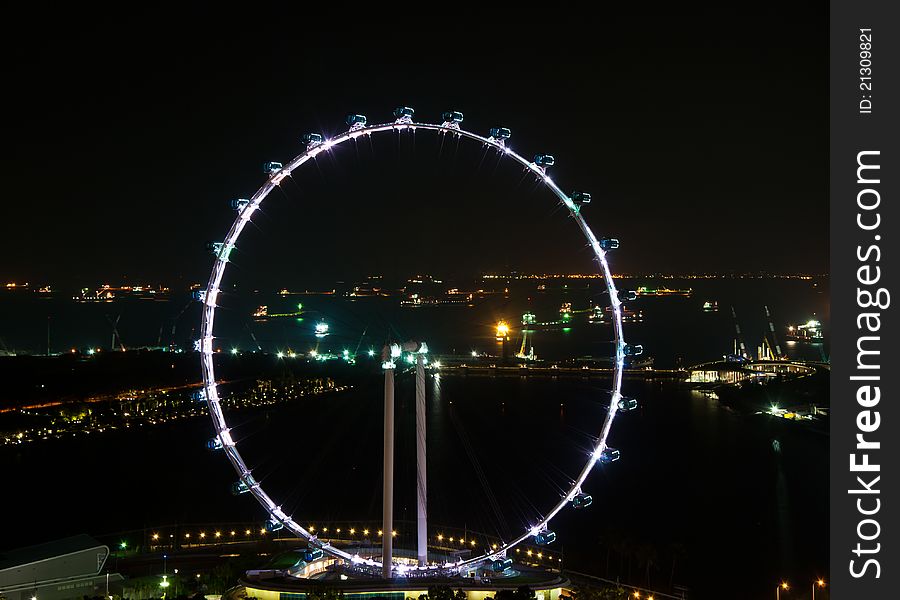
(474, 353)
(502, 330)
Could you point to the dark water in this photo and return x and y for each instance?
(698, 484)
(674, 329)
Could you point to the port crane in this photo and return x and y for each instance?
(739, 337)
(778, 354)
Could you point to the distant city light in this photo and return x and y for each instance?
(234, 350)
(502, 330)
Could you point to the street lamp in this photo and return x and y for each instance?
(819, 583)
(783, 586)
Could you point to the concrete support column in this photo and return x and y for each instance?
(387, 516)
(421, 479)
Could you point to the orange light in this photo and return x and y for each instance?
(820, 583)
(784, 585)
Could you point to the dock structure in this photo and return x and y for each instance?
(723, 372)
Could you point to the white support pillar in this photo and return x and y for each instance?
(387, 516)
(421, 480)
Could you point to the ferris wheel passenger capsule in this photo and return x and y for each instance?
(452, 116)
(608, 455)
(312, 554)
(627, 295)
(580, 198)
(198, 295)
(273, 524)
(582, 501)
(626, 404)
(312, 139)
(272, 167)
(501, 564)
(545, 537)
(609, 243)
(404, 114)
(500, 133)
(215, 444)
(239, 204)
(632, 350)
(198, 395)
(356, 120)
(544, 160)
(239, 487)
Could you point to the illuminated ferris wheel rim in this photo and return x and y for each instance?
(245, 211)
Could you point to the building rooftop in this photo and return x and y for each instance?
(31, 554)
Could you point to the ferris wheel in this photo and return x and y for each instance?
(497, 140)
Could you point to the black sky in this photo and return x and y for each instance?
(703, 136)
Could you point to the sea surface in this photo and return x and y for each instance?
(673, 330)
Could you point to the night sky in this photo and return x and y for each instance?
(703, 138)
